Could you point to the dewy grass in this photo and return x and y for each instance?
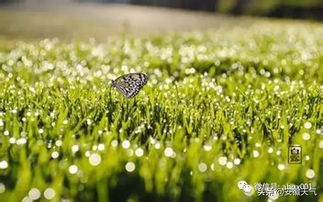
(219, 107)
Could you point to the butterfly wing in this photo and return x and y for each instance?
(130, 84)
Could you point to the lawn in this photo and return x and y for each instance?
(220, 107)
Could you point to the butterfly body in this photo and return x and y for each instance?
(130, 84)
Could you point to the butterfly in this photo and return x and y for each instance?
(130, 84)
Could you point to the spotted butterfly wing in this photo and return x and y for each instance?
(130, 84)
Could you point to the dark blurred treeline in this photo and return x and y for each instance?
(310, 9)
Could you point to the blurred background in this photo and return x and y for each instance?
(30, 20)
(312, 9)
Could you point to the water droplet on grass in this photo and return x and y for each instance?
(49, 193)
(139, 152)
(306, 136)
(169, 152)
(95, 159)
(222, 160)
(281, 166)
(202, 167)
(130, 166)
(34, 194)
(125, 144)
(3, 164)
(73, 169)
(310, 174)
(308, 125)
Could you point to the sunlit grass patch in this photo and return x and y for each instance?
(218, 108)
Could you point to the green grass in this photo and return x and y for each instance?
(219, 107)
